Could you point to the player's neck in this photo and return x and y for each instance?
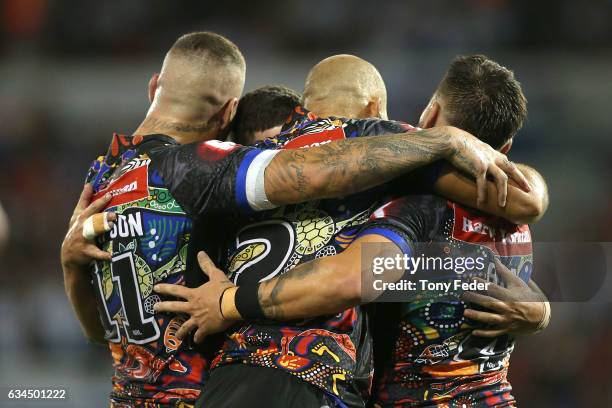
(181, 131)
(326, 110)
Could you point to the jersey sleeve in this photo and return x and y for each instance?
(406, 221)
(214, 177)
(94, 170)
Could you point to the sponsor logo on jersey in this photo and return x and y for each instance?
(504, 237)
(131, 186)
(315, 139)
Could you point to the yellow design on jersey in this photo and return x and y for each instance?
(247, 254)
(322, 348)
(335, 378)
(314, 229)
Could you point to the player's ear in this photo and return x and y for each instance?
(227, 113)
(153, 86)
(372, 109)
(506, 147)
(430, 115)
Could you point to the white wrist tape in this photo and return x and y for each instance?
(546, 317)
(95, 225)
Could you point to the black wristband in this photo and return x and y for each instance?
(247, 302)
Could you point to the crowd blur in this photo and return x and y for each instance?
(73, 72)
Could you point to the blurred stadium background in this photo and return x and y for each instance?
(73, 72)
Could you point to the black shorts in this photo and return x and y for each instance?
(242, 386)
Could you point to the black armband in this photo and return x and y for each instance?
(247, 302)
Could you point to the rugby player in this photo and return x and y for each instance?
(335, 339)
(262, 112)
(440, 353)
(172, 173)
(431, 352)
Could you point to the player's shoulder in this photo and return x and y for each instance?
(306, 129)
(410, 205)
(376, 126)
(122, 148)
(420, 215)
(164, 150)
(299, 119)
(416, 216)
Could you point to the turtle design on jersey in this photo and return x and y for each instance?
(314, 229)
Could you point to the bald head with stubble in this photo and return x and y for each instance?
(345, 86)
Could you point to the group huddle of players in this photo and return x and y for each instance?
(293, 211)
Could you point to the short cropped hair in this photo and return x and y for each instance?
(262, 109)
(483, 98)
(214, 46)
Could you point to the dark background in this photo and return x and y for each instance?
(72, 72)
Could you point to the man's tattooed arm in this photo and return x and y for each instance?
(323, 286)
(270, 292)
(521, 207)
(344, 167)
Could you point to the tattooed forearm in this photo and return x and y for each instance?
(348, 166)
(279, 294)
(329, 284)
(301, 180)
(268, 297)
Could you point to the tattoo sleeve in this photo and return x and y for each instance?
(348, 166)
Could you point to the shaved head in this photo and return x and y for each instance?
(345, 85)
(201, 73)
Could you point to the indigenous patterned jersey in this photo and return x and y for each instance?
(425, 352)
(158, 189)
(333, 352)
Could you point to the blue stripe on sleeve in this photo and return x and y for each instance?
(241, 174)
(391, 235)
